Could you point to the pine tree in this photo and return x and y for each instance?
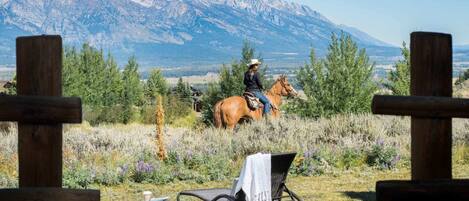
(113, 85)
(155, 85)
(72, 79)
(93, 70)
(399, 79)
(132, 94)
(341, 83)
(183, 91)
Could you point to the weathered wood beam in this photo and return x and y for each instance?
(438, 190)
(39, 72)
(431, 75)
(40, 109)
(48, 194)
(421, 106)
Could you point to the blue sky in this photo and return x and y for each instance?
(392, 21)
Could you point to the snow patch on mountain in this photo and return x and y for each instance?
(203, 28)
(145, 3)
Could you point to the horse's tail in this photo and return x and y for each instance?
(217, 115)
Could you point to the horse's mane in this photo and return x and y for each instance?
(280, 79)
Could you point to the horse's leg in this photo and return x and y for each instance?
(275, 114)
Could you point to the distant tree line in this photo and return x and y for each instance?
(341, 82)
(114, 96)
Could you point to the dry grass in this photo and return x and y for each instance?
(114, 145)
(346, 186)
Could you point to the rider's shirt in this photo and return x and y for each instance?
(252, 82)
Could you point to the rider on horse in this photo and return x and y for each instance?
(254, 85)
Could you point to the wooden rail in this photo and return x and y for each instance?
(40, 109)
(421, 106)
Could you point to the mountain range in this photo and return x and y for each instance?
(177, 33)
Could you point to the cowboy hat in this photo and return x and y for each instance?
(254, 62)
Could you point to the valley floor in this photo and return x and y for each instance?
(352, 185)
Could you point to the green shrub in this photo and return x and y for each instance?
(183, 173)
(382, 156)
(174, 158)
(399, 78)
(340, 83)
(189, 121)
(162, 174)
(103, 114)
(148, 114)
(311, 163)
(107, 175)
(216, 167)
(175, 109)
(177, 113)
(352, 158)
(77, 177)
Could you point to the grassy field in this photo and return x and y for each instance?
(344, 186)
(339, 158)
(353, 185)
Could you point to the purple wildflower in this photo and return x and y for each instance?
(143, 167)
(189, 155)
(178, 158)
(123, 170)
(380, 142)
(310, 153)
(395, 160)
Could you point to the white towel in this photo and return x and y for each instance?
(255, 178)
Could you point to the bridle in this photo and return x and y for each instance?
(286, 89)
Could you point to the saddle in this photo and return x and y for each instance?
(253, 102)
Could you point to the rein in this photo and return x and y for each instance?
(286, 89)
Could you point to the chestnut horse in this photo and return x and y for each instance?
(229, 111)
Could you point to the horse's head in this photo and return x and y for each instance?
(287, 88)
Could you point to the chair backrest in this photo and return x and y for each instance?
(280, 164)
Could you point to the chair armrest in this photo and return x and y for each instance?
(228, 197)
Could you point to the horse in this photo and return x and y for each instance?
(229, 111)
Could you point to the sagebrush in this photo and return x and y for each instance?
(112, 154)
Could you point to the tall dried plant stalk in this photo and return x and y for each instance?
(159, 129)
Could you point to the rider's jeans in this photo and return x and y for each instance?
(264, 101)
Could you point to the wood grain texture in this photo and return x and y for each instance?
(48, 194)
(437, 190)
(39, 72)
(431, 75)
(40, 109)
(421, 106)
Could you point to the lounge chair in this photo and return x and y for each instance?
(280, 165)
